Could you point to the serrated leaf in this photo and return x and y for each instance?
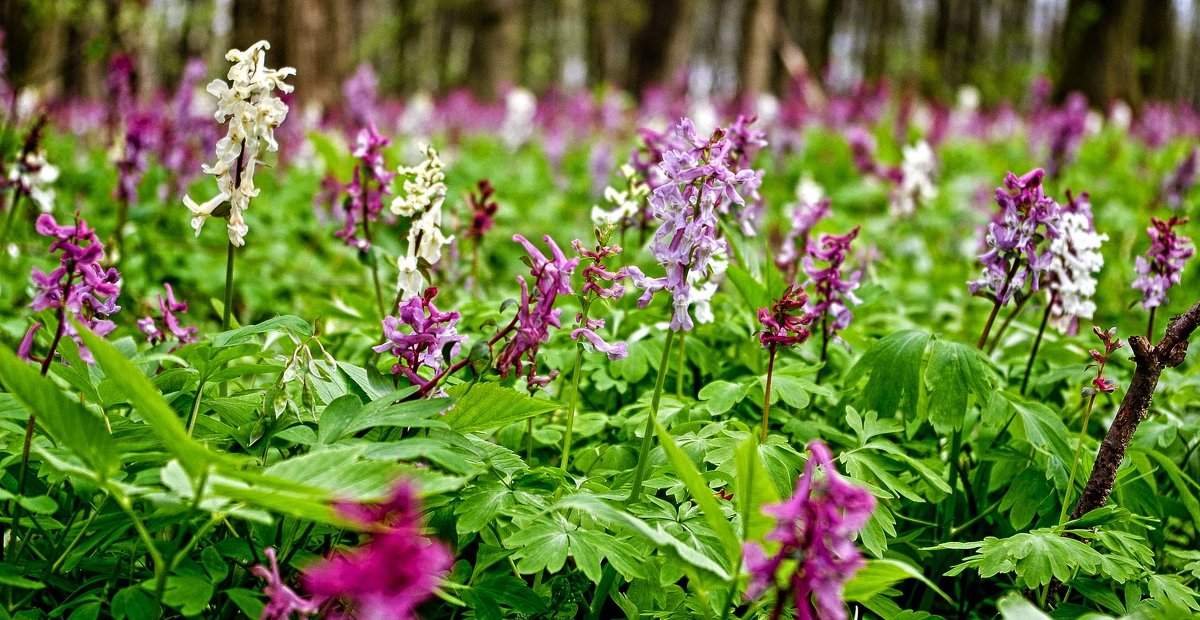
(893, 366)
(1035, 558)
(701, 494)
(484, 406)
(721, 396)
(955, 374)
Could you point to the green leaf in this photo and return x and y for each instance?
(1180, 480)
(1035, 558)
(756, 295)
(702, 495)
(64, 419)
(879, 575)
(955, 373)
(336, 417)
(1016, 607)
(189, 594)
(484, 406)
(1041, 427)
(285, 322)
(134, 603)
(894, 367)
(15, 577)
(341, 471)
(721, 396)
(752, 488)
(1171, 590)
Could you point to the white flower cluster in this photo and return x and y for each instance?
(704, 285)
(424, 193)
(1075, 258)
(520, 108)
(916, 185)
(247, 104)
(35, 176)
(627, 204)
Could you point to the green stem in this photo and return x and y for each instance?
(8, 219)
(602, 590)
(1150, 326)
(1062, 516)
(767, 390)
(160, 567)
(195, 408)
(228, 311)
(987, 328)
(639, 475)
(681, 365)
(1037, 342)
(571, 404)
(952, 479)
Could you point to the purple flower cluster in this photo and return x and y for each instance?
(186, 132)
(363, 203)
(600, 283)
(1065, 132)
(1162, 265)
(1177, 185)
(282, 600)
(390, 575)
(552, 277)
(816, 529)
(701, 185)
(424, 344)
(79, 286)
(483, 210)
(141, 135)
(831, 290)
(1018, 239)
(810, 208)
(1111, 344)
(786, 322)
(167, 309)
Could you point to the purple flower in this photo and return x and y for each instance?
(599, 283)
(79, 286)
(361, 95)
(786, 322)
(1018, 238)
(393, 572)
(141, 132)
(282, 601)
(431, 335)
(167, 309)
(1066, 129)
(831, 291)
(25, 349)
(701, 184)
(187, 132)
(1162, 266)
(862, 151)
(552, 277)
(1177, 185)
(363, 203)
(810, 208)
(816, 528)
(483, 209)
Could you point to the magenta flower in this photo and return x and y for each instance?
(282, 601)
(141, 132)
(816, 528)
(424, 343)
(1162, 266)
(79, 286)
(1111, 343)
(810, 208)
(483, 210)
(786, 322)
(832, 292)
(368, 188)
(393, 572)
(1018, 239)
(552, 277)
(1177, 185)
(599, 283)
(167, 309)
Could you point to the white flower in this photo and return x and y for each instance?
(808, 191)
(916, 184)
(626, 204)
(1075, 258)
(411, 282)
(426, 189)
(520, 107)
(252, 112)
(34, 175)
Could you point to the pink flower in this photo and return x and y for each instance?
(282, 601)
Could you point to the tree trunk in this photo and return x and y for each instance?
(759, 37)
(1100, 43)
(495, 50)
(1157, 43)
(660, 48)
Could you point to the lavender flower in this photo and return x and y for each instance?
(1162, 265)
(431, 336)
(282, 601)
(1066, 129)
(363, 203)
(599, 283)
(1017, 239)
(167, 309)
(831, 291)
(79, 286)
(810, 208)
(816, 528)
(1075, 257)
(786, 322)
(393, 572)
(701, 185)
(361, 95)
(141, 132)
(552, 277)
(862, 151)
(1177, 185)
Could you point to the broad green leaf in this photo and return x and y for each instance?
(1035, 558)
(721, 396)
(1041, 427)
(341, 471)
(484, 406)
(285, 322)
(1180, 480)
(752, 488)
(756, 295)
(64, 419)
(701, 494)
(1016, 607)
(879, 575)
(134, 603)
(956, 372)
(893, 366)
(336, 417)
(18, 578)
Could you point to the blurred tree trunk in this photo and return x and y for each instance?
(1100, 41)
(495, 49)
(661, 46)
(818, 56)
(1157, 43)
(760, 25)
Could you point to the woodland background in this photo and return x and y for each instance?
(1132, 50)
